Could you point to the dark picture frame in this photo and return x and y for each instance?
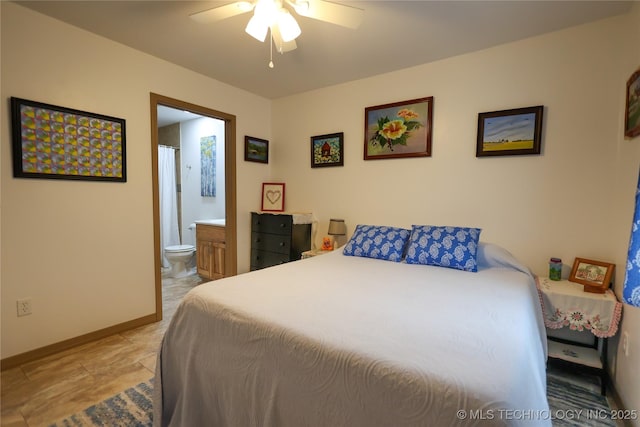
(510, 132)
(398, 130)
(54, 142)
(594, 275)
(632, 107)
(327, 150)
(256, 149)
(272, 197)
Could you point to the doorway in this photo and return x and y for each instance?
(229, 185)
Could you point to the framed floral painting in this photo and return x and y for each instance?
(400, 129)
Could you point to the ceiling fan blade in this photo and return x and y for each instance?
(222, 12)
(281, 45)
(334, 13)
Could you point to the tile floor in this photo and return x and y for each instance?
(41, 392)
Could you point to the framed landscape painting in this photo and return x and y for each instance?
(256, 150)
(510, 132)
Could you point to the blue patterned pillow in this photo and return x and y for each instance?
(373, 241)
(452, 247)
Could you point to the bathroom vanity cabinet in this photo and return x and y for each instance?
(210, 251)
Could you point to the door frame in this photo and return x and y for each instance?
(231, 252)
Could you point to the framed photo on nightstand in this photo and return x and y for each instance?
(594, 275)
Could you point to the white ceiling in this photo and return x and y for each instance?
(168, 116)
(393, 35)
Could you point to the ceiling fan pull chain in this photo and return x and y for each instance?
(270, 49)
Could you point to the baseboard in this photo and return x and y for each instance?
(30, 356)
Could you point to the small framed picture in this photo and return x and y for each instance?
(273, 196)
(594, 275)
(510, 132)
(327, 150)
(256, 150)
(632, 110)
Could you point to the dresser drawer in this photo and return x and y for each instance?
(273, 224)
(271, 242)
(262, 259)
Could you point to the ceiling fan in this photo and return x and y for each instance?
(273, 15)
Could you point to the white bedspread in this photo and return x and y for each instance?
(345, 341)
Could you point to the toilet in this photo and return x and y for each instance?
(180, 257)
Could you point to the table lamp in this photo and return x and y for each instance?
(337, 228)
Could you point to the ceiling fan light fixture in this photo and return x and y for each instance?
(289, 28)
(267, 10)
(257, 28)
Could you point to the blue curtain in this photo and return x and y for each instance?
(631, 289)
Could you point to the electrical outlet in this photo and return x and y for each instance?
(24, 307)
(625, 343)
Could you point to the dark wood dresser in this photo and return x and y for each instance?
(275, 239)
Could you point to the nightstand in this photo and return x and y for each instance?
(565, 304)
(313, 252)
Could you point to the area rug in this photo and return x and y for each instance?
(571, 405)
(576, 405)
(130, 408)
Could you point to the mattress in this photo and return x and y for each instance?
(337, 340)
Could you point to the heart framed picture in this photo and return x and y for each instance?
(273, 196)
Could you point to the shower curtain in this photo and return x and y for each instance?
(169, 234)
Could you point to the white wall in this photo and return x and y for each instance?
(194, 206)
(573, 200)
(625, 177)
(83, 251)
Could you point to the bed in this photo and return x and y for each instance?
(337, 340)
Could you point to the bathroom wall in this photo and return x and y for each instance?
(194, 206)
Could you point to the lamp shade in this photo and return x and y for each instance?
(337, 227)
